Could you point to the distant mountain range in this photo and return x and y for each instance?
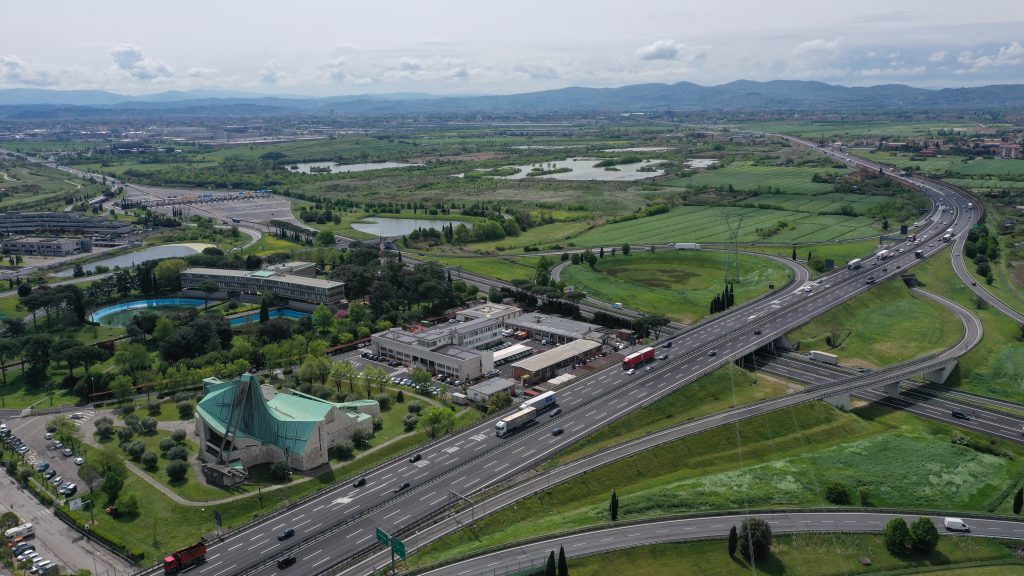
(778, 95)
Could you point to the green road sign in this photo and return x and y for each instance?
(383, 537)
(398, 547)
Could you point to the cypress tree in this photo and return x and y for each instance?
(734, 540)
(793, 257)
(549, 570)
(1018, 501)
(613, 507)
(563, 566)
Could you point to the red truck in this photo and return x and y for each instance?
(637, 358)
(181, 559)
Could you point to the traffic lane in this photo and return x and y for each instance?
(988, 423)
(600, 541)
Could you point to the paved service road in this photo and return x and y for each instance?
(631, 536)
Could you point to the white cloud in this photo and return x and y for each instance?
(14, 70)
(130, 59)
(937, 56)
(817, 45)
(1009, 55)
(200, 72)
(659, 50)
(410, 64)
(271, 73)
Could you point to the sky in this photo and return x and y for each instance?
(340, 47)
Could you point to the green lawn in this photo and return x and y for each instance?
(846, 129)
(503, 268)
(725, 388)
(677, 283)
(996, 366)
(803, 554)
(779, 460)
(191, 488)
(544, 237)
(885, 325)
(708, 224)
(743, 176)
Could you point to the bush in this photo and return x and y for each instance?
(178, 452)
(837, 493)
(166, 444)
(414, 407)
(179, 436)
(896, 535)
(125, 434)
(755, 539)
(378, 424)
(154, 408)
(185, 409)
(984, 269)
(924, 536)
(344, 449)
(177, 470)
(280, 471)
(104, 431)
(132, 421)
(410, 421)
(148, 425)
(128, 506)
(150, 460)
(384, 400)
(400, 397)
(135, 450)
(361, 438)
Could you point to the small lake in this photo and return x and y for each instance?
(701, 162)
(139, 256)
(389, 227)
(335, 168)
(584, 169)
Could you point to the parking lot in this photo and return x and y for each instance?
(54, 540)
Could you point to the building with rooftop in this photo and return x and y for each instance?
(300, 292)
(239, 426)
(546, 365)
(481, 393)
(447, 349)
(40, 246)
(556, 329)
(499, 312)
(296, 267)
(61, 223)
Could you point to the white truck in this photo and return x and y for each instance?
(22, 531)
(542, 401)
(824, 357)
(515, 421)
(956, 525)
(853, 264)
(687, 246)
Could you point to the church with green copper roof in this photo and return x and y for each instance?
(241, 423)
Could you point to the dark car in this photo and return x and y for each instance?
(557, 432)
(50, 473)
(359, 483)
(960, 415)
(401, 487)
(42, 466)
(757, 332)
(416, 457)
(286, 534)
(285, 562)
(555, 412)
(22, 548)
(712, 353)
(667, 345)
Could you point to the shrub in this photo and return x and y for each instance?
(755, 539)
(178, 452)
(185, 409)
(361, 438)
(896, 535)
(148, 425)
(924, 537)
(178, 436)
(410, 421)
(166, 444)
(378, 424)
(400, 397)
(384, 400)
(128, 506)
(280, 471)
(150, 460)
(154, 408)
(104, 431)
(125, 434)
(135, 450)
(414, 407)
(837, 493)
(177, 470)
(344, 449)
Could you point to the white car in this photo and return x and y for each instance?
(79, 460)
(630, 372)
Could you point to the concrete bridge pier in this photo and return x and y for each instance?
(841, 401)
(781, 344)
(939, 375)
(892, 389)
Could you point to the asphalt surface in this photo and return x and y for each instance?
(631, 536)
(474, 459)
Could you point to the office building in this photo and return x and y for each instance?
(300, 292)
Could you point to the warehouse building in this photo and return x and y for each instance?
(481, 393)
(238, 426)
(446, 350)
(39, 246)
(300, 292)
(548, 364)
(556, 329)
(61, 222)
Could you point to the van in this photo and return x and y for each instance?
(617, 305)
(955, 525)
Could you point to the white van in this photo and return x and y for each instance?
(956, 525)
(23, 531)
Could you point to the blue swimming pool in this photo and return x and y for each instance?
(121, 314)
(278, 313)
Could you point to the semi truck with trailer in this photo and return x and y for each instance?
(515, 421)
(687, 246)
(181, 559)
(637, 358)
(853, 264)
(542, 401)
(824, 357)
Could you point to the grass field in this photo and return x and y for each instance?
(743, 176)
(677, 283)
(708, 224)
(779, 460)
(725, 388)
(502, 268)
(885, 325)
(996, 366)
(905, 161)
(801, 554)
(863, 128)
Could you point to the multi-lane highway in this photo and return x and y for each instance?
(474, 459)
(644, 534)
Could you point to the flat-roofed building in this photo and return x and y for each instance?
(499, 312)
(38, 246)
(556, 329)
(61, 222)
(299, 291)
(297, 268)
(481, 393)
(442, 350)
(546, 365)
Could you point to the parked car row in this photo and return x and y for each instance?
(27, 552)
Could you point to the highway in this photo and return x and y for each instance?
(634, 535)
(472, 460)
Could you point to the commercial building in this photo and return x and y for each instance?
(447, 349)
(481, 393)
(238, 426)
(500, 312)
(555, 329)
(61, 223)
(546, 365)
(39, 246)
(299, 291)
(297, 268)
